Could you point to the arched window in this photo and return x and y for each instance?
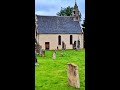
(71, 38)
(59, 40)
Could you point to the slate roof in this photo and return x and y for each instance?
(58, 25)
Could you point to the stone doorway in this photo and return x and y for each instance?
(47, 45)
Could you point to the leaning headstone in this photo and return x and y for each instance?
(73, 76)
(54, 55)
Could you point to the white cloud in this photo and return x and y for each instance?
(51, 7)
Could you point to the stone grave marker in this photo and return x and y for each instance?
(54, 55)
(73, 75)
(40, 52)
(43, 52)
(62, 53)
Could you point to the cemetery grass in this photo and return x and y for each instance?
(52, 74)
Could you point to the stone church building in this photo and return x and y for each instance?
(59, 32)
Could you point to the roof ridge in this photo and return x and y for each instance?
(53, 16)
(45, 15)
(64, 16)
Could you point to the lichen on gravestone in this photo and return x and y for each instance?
(73, 75)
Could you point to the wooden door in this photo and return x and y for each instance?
(47, 45)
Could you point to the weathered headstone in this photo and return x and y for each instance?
(63, 45)
(62, 53)
(54, 55)
(73, 75)
(40, 52)
(78, 46)
(43, 52)
(74, 46)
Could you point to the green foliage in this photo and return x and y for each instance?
(65, 11)
(83, 25)
(52, 74)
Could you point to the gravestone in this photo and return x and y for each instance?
(54, 55)
(40, 48)
(43, 52)
(63, 45)
(78, 45)
(73, 75)
(74, 45)
(62, 53)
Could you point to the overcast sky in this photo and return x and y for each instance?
(51, 7)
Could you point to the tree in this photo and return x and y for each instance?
(83, 25)
(66, 12)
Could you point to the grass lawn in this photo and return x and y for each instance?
(52, 74)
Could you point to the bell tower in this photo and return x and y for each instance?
(75, 12)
